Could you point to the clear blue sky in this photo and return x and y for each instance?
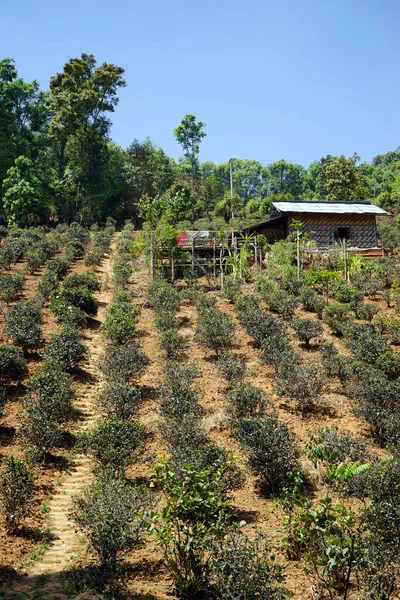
(293, 79)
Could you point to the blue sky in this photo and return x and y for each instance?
(295, 79)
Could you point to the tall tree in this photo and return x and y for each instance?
(23, 201)
(339, 178)
(83, 95)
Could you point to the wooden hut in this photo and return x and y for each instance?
(324, 222)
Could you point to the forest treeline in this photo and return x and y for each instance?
(58, 161)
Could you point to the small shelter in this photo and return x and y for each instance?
(324, 222)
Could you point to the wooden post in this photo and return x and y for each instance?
(151, 255)
(255, 251)
(193, 238)
(172, 269)
(214, 260)
(261, 260)
(298, 253)
(346, 278)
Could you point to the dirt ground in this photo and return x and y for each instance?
(149, 578)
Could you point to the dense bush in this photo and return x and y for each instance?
(110, 514)
(166, 320)
(366, 343)
(256, 322)
(232, 288)
(172, 343)
(245, 400)
(306, 329)
(59, 266)
(273, 452)
(312, 302)
(88, 280)
(65, 349)
(122, 272)
(163, 297)
(79, 297)
(11, 286)
(12, 363)
(215, 330)
(335, 364)
(119, 400)
(282, 303)
(337, 316)
(17, 488)
(239, 566)
(93, 258)
(177, 402)
(179, 374)
(302, 383)
(233, 369)
(51, 393)
(113, 443)
(186, 431)
(119, 326)
(39, 433)
(68, 314)
(48, 283)
(348, 294)
(122, 363)
(23, 324)
(366, 311)
(34, 260)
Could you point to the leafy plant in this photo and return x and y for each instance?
(119, 400)
(87, 280)
(65, 349)
(11, 286)
(245, 400)
(79, 297)
(123, 363)
(39, 433)
(23, 324)
(119, 326)
(215, 330)
(231, 368)
(307, 329)
(17, 488)
(12, 363)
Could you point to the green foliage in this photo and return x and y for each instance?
(282, 303)
(39, 433)
(110, 514)
(23, 322)
(67, 314)
(88, 280)
(302, 382)
(233, 369)
(123, 363)
(65, 349)
(273, 452)
(11, 286)
(17, 488)
(34, 260)
(193, 514)
(119, 326)
(337, 316)
(79, 297)
(257, 323)
(119, 400)
(123, 271)
(48, 283)
(163, 297)
(245, 400)
(12, 363)
(172, 343)
(306, 329)
(59, 266)
(215, 330)
(51, 394)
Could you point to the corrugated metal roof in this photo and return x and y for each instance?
(338, 208)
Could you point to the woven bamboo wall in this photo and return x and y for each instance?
(322, 228)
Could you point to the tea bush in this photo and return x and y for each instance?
(273, 452)
(12, 364)
(185, 432)
(172, 343)
(23, 322)
(119, 400)
(122, 363)
(82, 280)
(119, 326)
(11, 286)
(35, 258)
(59, 266)
(282, 303)
(233, 369)
(312, 302)
(178, 402)
(39, 433)
(113, 443)
(79, 297)
(307, 329)
(163, 297)
(215, 330)
(47, 284)
(179, 374)
(122, 272)
(337, 316)
(68, 314)
(302, 383)
(367, 311)
(52, 394)
(65, 349)
(17, 489)
(245, 400)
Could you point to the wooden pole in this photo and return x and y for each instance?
(261, 261)
(298, 254)
(193, 238)
(214, 260)
(221, 254)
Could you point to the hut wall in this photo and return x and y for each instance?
(322, 228)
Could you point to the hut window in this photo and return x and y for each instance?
(342, 233)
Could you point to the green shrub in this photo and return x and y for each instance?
(257, 323)
(232, 288)
(179, 374)
(178, 402)
(215, 330)
(12, 364)
(119, 326)
(302, 383)
(65, 349)
(282, 303)
(367, 311)
(312, 302)
(85, 280)
(119, 400)
(59, 266)
(306, 329)
(48, 283)
(114, 443)
(39, 433)
(68, 314)
(11, 286)
(123, 363)
(185, 432)
(17, 489)
(273, 452)
(335, 364)
(122, 272)
(172, 343)
(163, 297)
(231, 368)
(94, 258)
(348, 294)
(366, 343)
(23, 324)
(79, 297)
(166, 320)
(110, 514)
(245, 400)
(34, 260)
(74, 249)
(337, 316)
(237, 563)
(52, 394)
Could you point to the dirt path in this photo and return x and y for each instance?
(48, 572)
